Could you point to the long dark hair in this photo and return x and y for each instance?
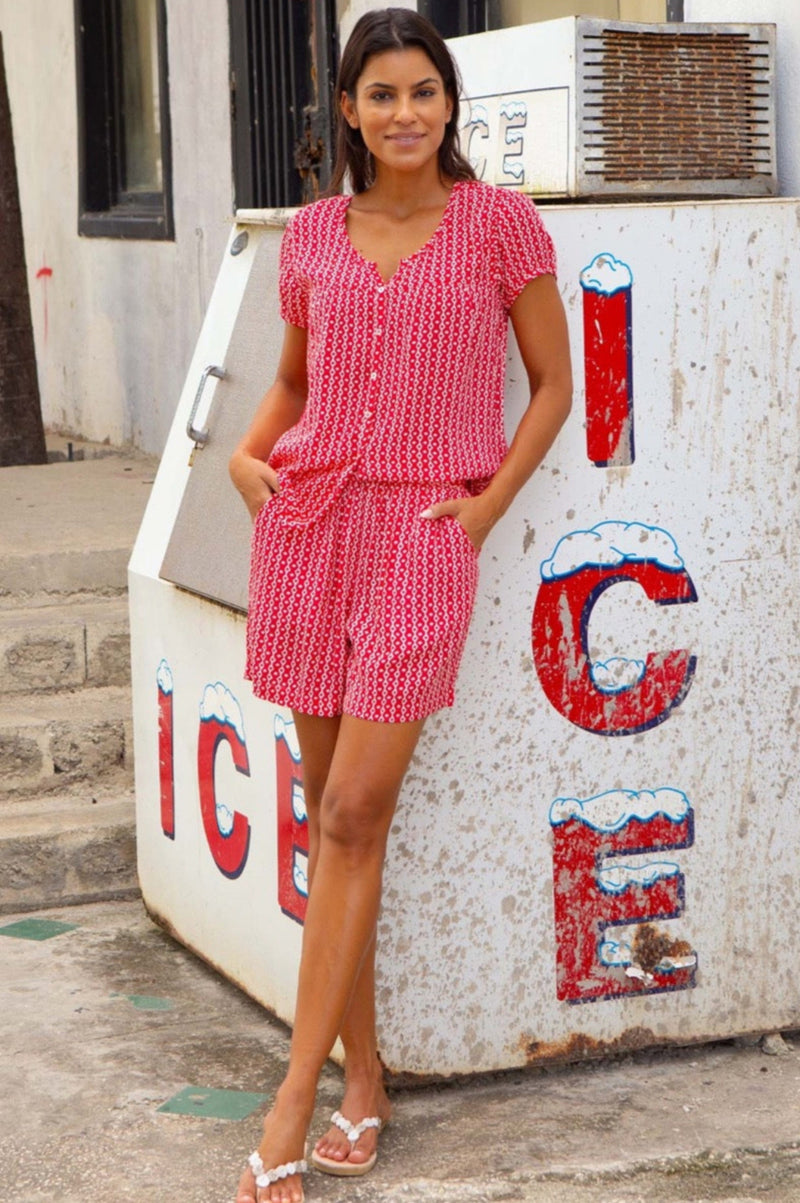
(374, 33)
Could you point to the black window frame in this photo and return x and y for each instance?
(283, 59)
(105, 209)
(455, 18)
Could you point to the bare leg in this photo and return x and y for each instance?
(364, 1093)
(358, 802)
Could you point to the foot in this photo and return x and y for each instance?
(360, 1101)
(283, 1143)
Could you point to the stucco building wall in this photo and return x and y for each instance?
(116, 321)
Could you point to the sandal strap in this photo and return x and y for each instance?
(354, 1131)
(266, 1178)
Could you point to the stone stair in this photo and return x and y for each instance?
(67, 831)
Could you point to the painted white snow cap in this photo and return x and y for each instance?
(606, 275)
(164, 677)
(614, 809)
(618, 878)
(225, 818)
(299, 809)
(219, 703)
(285, 729)
(666, 964)
(609, 544)
(619, 952)
(615, 952)
(478, 115)
(617, 674)
(300, 872)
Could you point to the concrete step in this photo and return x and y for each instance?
(48, 742)
(64, 646)
(69, 527)
(63, 850)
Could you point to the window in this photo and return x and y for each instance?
(123, 119)
(455, 17)
(283, 60)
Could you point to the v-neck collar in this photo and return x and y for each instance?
(434, 237)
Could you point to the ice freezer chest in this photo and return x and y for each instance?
(597, 848)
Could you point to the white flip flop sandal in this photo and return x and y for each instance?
(265, 1178)
(349, 1169)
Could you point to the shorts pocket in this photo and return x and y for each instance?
(266, 506)
(462, 533)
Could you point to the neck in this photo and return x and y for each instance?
(405, 192)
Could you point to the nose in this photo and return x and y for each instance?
(404, 113)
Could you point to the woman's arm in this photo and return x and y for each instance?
(281, 407)
(540, 326)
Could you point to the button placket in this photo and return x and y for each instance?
(376, 334)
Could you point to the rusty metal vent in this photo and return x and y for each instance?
(677, 110)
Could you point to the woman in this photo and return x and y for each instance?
(374, 469)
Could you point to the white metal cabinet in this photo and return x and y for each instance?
(597, 848)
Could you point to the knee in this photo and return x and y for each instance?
(356, 822)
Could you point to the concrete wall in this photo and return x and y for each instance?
(116, 322)
(786, 15)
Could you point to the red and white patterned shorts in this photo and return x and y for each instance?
(365, 610)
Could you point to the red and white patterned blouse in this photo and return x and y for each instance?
(405, 378)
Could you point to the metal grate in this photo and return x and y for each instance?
(282, 61)
(681, 110)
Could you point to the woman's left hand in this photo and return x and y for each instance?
(469, 512)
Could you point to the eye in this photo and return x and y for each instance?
(426, 92)
(379, 95)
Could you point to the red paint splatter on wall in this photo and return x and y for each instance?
(44, 273)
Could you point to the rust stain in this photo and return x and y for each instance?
(580, 1047)
(650, 947)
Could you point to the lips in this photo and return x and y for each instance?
(405, 139)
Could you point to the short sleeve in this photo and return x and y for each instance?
(292, 286)
(525, 249)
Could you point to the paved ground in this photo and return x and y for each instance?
(104, 1023)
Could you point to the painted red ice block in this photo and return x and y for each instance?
(229, 846)
(560, 628)
(583, 910)
(608, 361)
(166, 758)
(292, 823)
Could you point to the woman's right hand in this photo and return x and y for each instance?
(255, 480)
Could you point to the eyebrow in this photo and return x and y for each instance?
(391, 87)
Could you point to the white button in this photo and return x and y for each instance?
(368, 413)
(379, 330)
(381, 288)
(373, 375)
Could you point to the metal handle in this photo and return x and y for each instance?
(200, 437)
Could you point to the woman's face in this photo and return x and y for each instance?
(401, 108)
